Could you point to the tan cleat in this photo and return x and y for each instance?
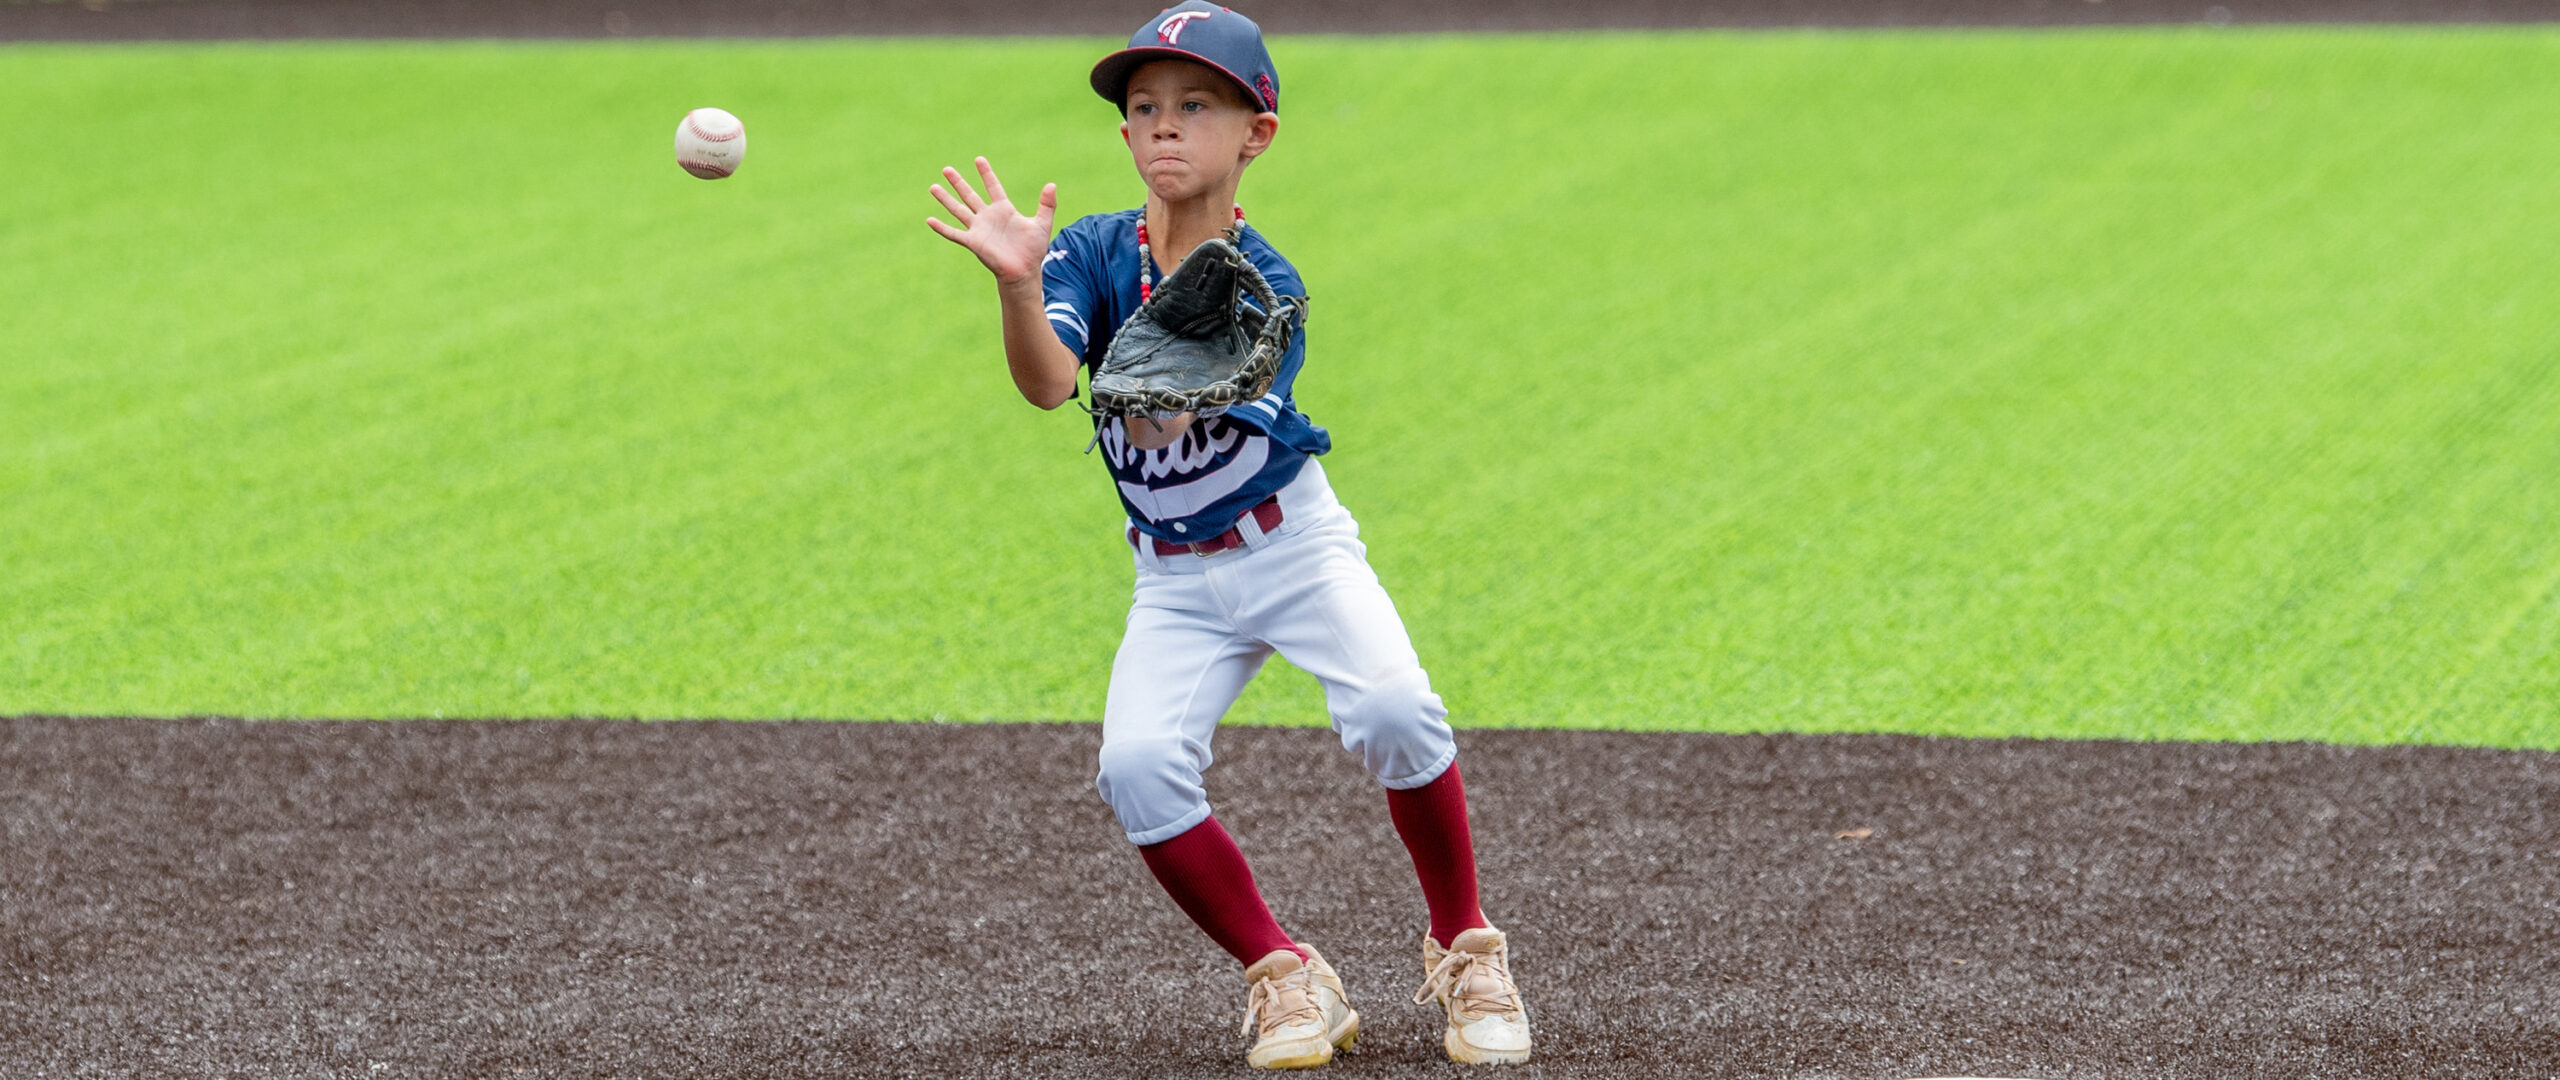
(1296, 1011)
(1488, 1025)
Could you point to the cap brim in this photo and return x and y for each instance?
(1111, 76)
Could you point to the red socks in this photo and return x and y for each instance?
(1432, 819)
(1210, 882)
(1206, 874)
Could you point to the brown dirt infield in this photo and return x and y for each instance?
(601, 899)
(135, 20)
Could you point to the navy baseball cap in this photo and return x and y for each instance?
(1203, 33)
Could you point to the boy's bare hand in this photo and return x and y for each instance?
(1009, 243)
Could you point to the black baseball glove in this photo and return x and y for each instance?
(1195, 346)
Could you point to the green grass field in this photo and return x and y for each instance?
(2150, 384)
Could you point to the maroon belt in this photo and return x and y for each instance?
(1266, 515)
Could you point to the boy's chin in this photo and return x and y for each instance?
(1177, 188)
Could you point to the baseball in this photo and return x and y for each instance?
(710, 143)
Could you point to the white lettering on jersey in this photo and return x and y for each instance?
(1053, 256)
(1195, 451)
(1184, 500)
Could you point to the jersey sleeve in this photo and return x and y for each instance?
(1069, 289)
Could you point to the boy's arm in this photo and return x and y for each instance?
(1011, 246)
(1044, 369)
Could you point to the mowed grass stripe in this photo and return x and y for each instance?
(2154, 384)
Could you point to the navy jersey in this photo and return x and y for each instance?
(1197, 487)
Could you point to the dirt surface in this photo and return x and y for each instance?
(581, 899)
(110, 20)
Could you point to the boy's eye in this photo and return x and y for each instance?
(1192, 106)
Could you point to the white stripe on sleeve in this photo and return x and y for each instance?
(1063, 316)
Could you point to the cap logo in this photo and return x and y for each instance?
(1171, 31)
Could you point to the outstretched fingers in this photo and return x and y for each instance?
(1001, 241)
(952, 203)
(968, 195)
(995, 188)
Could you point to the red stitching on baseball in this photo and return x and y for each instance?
(706, 136)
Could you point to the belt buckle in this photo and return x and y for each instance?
(1203, 550)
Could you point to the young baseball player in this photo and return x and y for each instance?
(1240, 550)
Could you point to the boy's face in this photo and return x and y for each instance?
(1189, 129)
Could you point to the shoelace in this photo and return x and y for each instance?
(1268, 992)
(1449, 979)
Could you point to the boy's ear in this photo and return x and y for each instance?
(1266, 126)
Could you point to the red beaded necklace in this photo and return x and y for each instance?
(1147, 266)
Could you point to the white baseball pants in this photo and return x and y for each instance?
(1199, 628)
